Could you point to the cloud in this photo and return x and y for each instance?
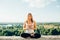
(38, 3)
(58, 6)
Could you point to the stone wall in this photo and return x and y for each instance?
(43, 37)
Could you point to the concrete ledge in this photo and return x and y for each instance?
(43, 37)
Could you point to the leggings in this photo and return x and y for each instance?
(25, 35)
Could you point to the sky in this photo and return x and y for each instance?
(17, 10)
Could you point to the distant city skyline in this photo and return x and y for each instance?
(17, 10)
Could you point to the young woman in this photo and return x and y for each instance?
(29, 27)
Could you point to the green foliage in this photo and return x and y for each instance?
(51, 31)
(17, 30)
(1, 33)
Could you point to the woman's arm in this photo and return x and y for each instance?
(35, 25)
(24, 26)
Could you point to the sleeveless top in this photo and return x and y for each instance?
(29, 26)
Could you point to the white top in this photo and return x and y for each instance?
(29, 26)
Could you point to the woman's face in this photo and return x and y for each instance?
(29, 17)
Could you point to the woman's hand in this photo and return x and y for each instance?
(32, 34)
(31, 28)
(26, 28)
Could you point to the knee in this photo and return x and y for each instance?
(22, 34)
(25, 35)
(38, 35)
